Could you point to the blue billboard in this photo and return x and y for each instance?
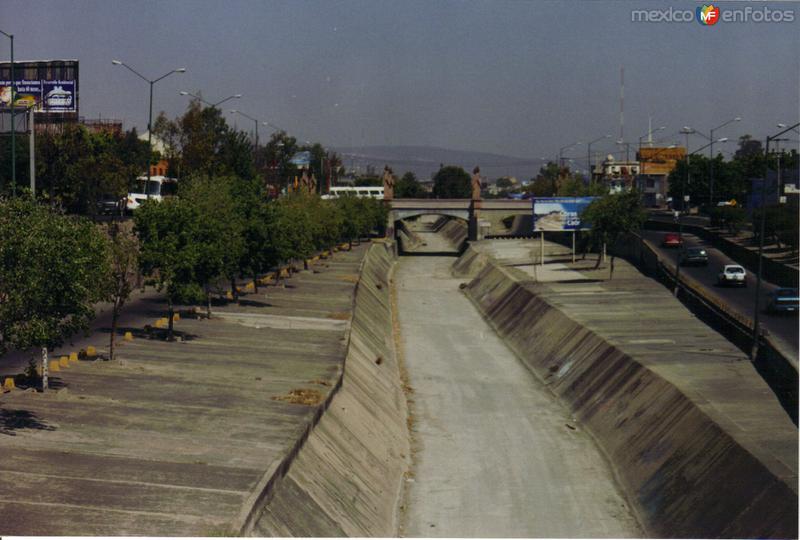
(559, 213)
(43, 96)
(301, 159)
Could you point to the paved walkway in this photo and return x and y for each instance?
(172, 438)
(497, 455)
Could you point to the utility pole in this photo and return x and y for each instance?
(32, 154)
(13, 120)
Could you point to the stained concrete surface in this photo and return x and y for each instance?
(496, 454)
(171, 439)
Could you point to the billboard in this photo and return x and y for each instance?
(301, 159)
(559, 213)
(43, 96)
(50, 87)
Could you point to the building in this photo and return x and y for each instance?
(656, 164)
(618, 175)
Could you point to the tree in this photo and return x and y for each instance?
(123, 263)
(216, 232)
(408, 187)
(354, 221)
(168, 249)
(613, 216)
(504, 182)
(53, 269)
(452, 182)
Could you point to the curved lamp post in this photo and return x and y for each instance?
(151, 82)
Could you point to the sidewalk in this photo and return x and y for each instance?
(172, 438)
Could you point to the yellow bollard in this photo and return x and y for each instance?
(63, 361)
(54, 366)
(73, 357)
(9, 384)
(249, 286)
(229, 295)
(176, 317)
(91, 352)
(128, 336)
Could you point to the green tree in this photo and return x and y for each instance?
(354, 221)
(168, 249)
(452, 182)
(53, 269)
(123, 264)
(613, 216)
(408, 187)
(217, 231)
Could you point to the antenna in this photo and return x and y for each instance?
(622, 103)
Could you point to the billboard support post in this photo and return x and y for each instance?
(541, 250)
(573, 247)
(32, 154)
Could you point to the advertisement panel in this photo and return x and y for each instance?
(301, 159)
(559, 213)
(44, 96)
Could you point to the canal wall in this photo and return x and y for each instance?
(344, 477)
(696, 438)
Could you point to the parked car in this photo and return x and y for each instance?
(694, 255)
(672, 239)
(783, 301)
(732, 274)
(110, 205)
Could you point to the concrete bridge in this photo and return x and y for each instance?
(491, 216)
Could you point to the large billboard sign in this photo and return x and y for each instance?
(301, 159)
(559, 213)
(43, 96)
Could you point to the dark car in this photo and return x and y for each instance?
(783, 301)
(672, 239)
(694, 255)
(110, 205)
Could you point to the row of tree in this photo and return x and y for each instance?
(55, 267)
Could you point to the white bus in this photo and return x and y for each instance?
(158, 188)
(373, 192)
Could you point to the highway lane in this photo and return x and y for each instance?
(741, 299)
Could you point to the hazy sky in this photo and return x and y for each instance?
(520, 78)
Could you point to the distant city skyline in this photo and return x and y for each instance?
(513, 78)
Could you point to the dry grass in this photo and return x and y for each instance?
(339, 315)
(320, 382)
(301, 396)
(350, 278)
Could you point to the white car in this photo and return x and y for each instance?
(732, 274)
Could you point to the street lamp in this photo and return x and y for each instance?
(754, 348)
(13, 122)
(650, 134)
(561, 151)
(212, 105)
(255, 121)
(151, 82)
(589, 153)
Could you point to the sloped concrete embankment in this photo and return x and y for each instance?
(454, 230)
(407, 238)
(345, 480)
(692, 466)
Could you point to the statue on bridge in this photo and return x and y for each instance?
(388, 183)
(476, 184)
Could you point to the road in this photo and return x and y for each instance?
(741, 299)
(496, 453)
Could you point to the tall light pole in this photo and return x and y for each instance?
(711, 156)
(561, 162)
(756, 332)
(649, 135)
(13, 122)
(589, 154)
(212, 105)
(151, 82)
(255, 121)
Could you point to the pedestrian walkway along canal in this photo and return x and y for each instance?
(496, 454)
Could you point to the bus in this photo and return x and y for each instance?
(158, 188)
(372, 192)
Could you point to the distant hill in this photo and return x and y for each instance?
(424, 161)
